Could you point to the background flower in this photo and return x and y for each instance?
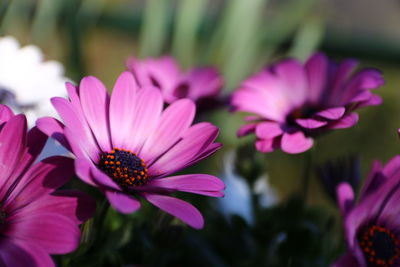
(294, 102)
(200, 84)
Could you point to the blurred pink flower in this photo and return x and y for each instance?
(294, 102)
(201, 84)
(35, 219)
(128, 146)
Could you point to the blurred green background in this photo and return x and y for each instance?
(95, 37)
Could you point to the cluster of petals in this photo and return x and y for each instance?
(35, 219)
(200, 84)
(133, 119)
(293, 102)
(372, 226)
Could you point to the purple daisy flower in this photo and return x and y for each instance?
(201, 84)
(35, 219)
(128, 146)
(372, 226)
(293, 102)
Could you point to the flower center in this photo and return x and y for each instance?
(124, 167)
(379, 245)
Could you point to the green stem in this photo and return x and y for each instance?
(308, 171)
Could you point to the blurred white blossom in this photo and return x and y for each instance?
(267, 195)
(27, 82)
(237, 198)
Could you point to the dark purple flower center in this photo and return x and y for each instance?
(379, 245)
(124, 167)
(181, 91)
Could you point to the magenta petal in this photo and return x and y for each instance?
(204, 81)
(266, 130)
(294, 143)
(102, 179)
(178, 208)
(122, 110)
(40, 228)
(346, 122)
(82, 168)
(53, 128)
(195, 141)
(310, 123)
(80, 131)
(347, 260)
(332, 113)
(43, 178)
(18, 253)
(345, 198)
(193, 183)
(174, 122)
(122, 202)
(317, 73)
(392, 168)
(374, 180)
(73, 204)
(246, 129)
(95, 105)
(149, 104)
(13, 143)
(265, 145)
(5, 113)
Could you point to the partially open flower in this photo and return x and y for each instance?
(372, 226)
(35, 219)
(201, 84)
(294, 102)
(128, 146)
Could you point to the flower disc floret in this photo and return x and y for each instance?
(379, 245)
(124, 167)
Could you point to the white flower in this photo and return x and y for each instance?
(27, 82)
(237, 199)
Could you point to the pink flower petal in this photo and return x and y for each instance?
(19, 253)
(40, 228)
(82, 169)
(122, 202)
(332, 113)
(345, 198)
(95, 105)
(196, 139)
(346, 122)
(80, 131)
(317, 73)
(5, 113)
(246, 129)
(102, 179)
(54, 129)
(178, 208)
(347, 260)
(292, 73)
(193, 183)
(265, 145)
(267, 130)
(43, 178)
(149, 104)
(13, 142)
(294, 143)
(122, 110)
(73, 204)
(310, 123)
(174, 122)
(204, 82)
